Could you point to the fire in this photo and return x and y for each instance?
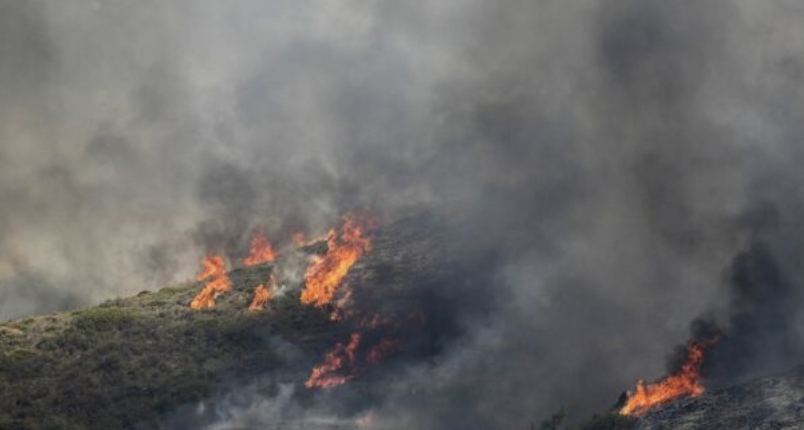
(324, 375)
(381, 350)
(261, 251)
(214, 269)
(299, 239)
(324, 276)
(686, 383)
(262, 295)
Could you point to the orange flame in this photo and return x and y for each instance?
(299, 239)
(262, 295)
(261, 251)
(686, 383)
(214, 269)
(324, 276)
(324, 376)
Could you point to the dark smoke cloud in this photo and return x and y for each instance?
(759, 330)
(606, 157)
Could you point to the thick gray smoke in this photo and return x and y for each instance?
(612, 156)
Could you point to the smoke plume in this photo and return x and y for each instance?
(610, 164)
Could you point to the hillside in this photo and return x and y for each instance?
(773, 402)
(128, 361)
(131, 362)
(143, 361)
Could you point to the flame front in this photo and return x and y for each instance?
(342, 356)
(262, 295)
(261, 251)
(213, 268)
(686, 383)
(324, 276)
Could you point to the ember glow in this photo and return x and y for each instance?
(262, 295)
(378, 352)
(331, 372)
(261, 251)
(325, 275)
(686, 383)
(213, 270)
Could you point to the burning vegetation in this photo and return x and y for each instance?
(324, 278)
(342, 357)
(685, 383)
(376, 329)
(261, 251)
(262, 295)
(325, 275)
(213, 269)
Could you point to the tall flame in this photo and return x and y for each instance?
(324, 375)
(262, 295)
(324, 276)
(261, 251)
(686, 383)
(213, 267)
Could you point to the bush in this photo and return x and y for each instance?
(104, 318)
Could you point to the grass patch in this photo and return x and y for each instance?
(105, 318)
(14, 358)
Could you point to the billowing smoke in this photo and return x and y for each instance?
(604, 160)
(758, 328)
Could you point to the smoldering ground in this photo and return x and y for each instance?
(602, 154)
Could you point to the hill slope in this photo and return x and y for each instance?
(774, 402)
(130, 362)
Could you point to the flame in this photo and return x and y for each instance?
(262, 295)
(686, 383)
(381, 350)
(324, 376)
(213, 268)
(324, 276)
(261, 251)
(299, 239)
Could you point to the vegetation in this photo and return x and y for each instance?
(130, 361)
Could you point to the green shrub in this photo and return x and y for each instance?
(19, 355)
(104, 318)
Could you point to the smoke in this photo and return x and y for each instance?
(605, 160)
(759, 328)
